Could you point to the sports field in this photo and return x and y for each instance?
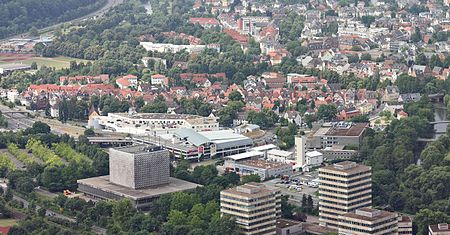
(57, 62)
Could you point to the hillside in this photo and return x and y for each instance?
(19, 16)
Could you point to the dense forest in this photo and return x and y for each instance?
(19, 16)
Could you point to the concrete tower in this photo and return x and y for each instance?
(300, 149)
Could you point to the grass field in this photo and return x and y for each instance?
(7, 222)
(57, 62)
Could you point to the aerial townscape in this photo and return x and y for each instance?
(225, 117)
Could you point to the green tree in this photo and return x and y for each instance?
(250, 178)
(235, 96)
(327, 112)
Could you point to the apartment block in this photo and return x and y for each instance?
(368, 221)
(343, 188)
(255, 207)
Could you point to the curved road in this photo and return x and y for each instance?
(109, 5)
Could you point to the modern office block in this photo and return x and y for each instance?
(254, 206)
(343, 188)
(368, 221)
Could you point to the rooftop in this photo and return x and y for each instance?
(284, 223)
(245, 155)
(355, 130)
(281, 153)
(263, 164)
(102, 183)
(14, 66)
(156, 116)
(346, 167)
(249, 190)
(140, 148)
(439, 227)
(264, 147)
(368, 214)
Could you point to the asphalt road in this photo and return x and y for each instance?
(16, 121)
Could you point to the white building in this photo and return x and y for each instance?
(276, 155)
(153, 123)
(305, 159)
(166, 47)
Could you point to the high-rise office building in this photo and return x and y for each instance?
(368, 221)
(343, 187)
(254, 206)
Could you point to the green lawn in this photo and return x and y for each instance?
(7, 222)
(57, 62)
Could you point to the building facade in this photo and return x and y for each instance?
(368, 221)
(139, 166)
(405, 225)
(254, 206)
(343, 188)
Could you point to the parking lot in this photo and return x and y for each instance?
(298, 185)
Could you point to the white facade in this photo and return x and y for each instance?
(314, 158)
(300, 150)
(165, 47)
(281, 156)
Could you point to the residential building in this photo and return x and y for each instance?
(343, 188)
(366, 221)
(439, 229)
(254, 206)
(139, 173)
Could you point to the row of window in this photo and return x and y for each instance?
(345, 199)
(348, 188)
(347, 193)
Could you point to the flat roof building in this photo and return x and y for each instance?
(264, 169)
(340, 133)
(139, 173)
(439, 229)
(367, 221)
(9, 68)
(190, 144)
(153, 123)
(254, 206)
(343, 188)
(289, 227)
